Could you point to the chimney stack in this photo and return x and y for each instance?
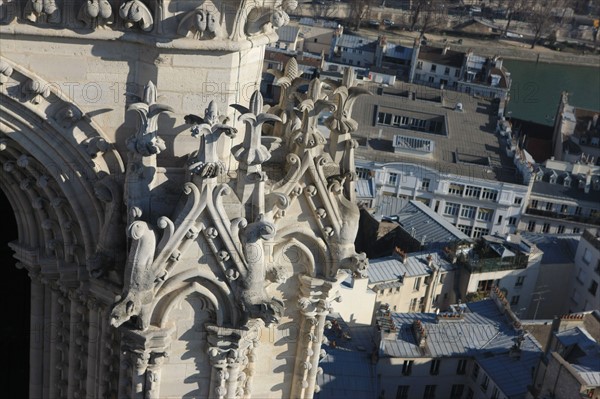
(445, 50)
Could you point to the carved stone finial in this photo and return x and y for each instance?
(147, 142)
(252, 152)
(209, 129)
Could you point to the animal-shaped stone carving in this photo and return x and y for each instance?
(253, 295)
(140, 275)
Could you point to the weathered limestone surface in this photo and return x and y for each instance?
(182, 238)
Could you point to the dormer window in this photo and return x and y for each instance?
(567, 181)
(553, 179)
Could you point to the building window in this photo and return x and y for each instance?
(485, 214)
(468, 211)
(576, 230)
(520, 281)
(485, 285)
(456, 189)
(467, 230)
(512, 221)
(531, 226)
(480, 231)
(417, 284)
(417, 76)
(431, 79)
(518, 200)
(413, 305)
(593, 287)
(402, 392)
(429, 392)
(545, 227)
(489, 194)
(457, 73)
(384, 118)
(485, 383)
(462, 367)
(451, 209)
(457, 391)
(499, 219)
(472, 191)
(560, 229)
(420, 65)
(534, 204)
(433, 67)
(578, 211)
(549, 206)
(393, 178)
(407, 367)
(447, 71)
(587, 256)
(495, 393)
(514, 300)
(425, 184)
(442, 278)
(434, 369)
(363, 173)
(564, 208)
(475, 372)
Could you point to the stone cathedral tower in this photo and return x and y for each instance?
(182, 239)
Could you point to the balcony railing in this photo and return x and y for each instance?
(476, 265)
(595, 220)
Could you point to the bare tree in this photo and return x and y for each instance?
(324, 9)
(541, 18)
(514, 7)
(359, 11)
(427, 14)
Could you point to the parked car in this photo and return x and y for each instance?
(374, 22)
(388, 22)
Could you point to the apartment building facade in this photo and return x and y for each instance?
(585, 293)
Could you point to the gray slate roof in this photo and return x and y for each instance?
(365, 188)
(557, 249)
(357, 42)
(483, 334)
(559, 190)
(470, 148)
(420, 221)
(587, 360)
(347, 369)
(391, 268)
(288, 33)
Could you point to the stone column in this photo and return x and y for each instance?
(36, 349)
(314, 304)
(55, 356)
(231, 353)
(94, 346)
(142, 352)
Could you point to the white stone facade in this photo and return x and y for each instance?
(164, 263)
(475, 206)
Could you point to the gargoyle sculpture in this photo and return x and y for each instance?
(140, 276)
(253, 294)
